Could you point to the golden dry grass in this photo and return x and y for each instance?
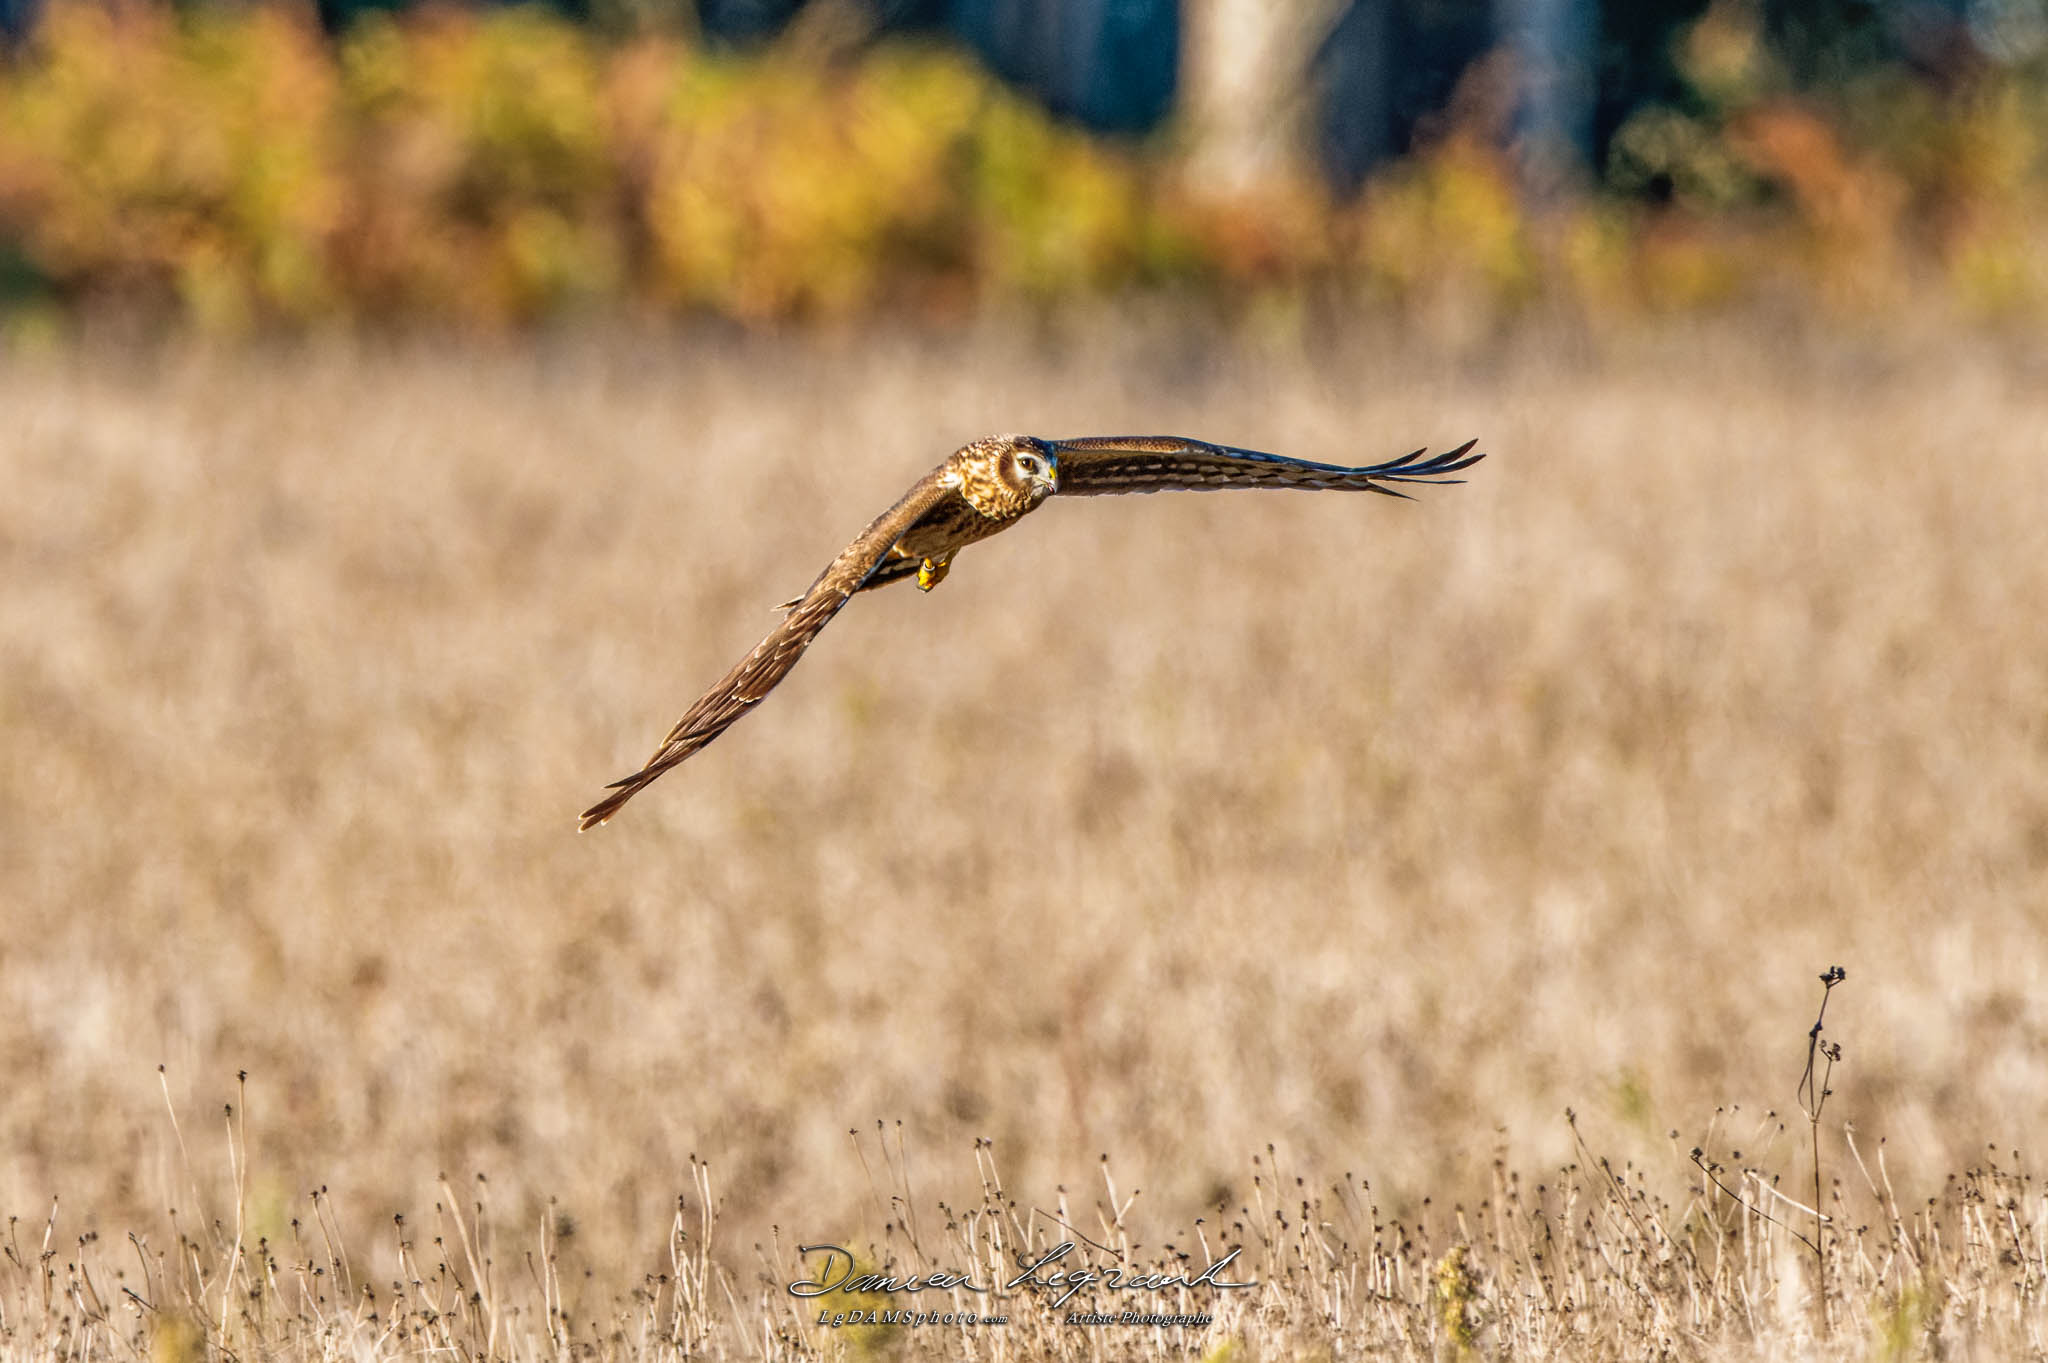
(1170, 828)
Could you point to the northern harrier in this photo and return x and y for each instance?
(983, 488)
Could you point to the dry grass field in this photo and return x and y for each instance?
(1263, 869)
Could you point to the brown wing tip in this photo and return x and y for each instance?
(626, 787)
(600, 813)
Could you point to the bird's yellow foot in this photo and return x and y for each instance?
(932, 572)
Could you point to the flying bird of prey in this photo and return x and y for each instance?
(983, 488)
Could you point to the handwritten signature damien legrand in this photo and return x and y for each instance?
(1036, 1275)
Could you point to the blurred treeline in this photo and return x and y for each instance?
(247, 166)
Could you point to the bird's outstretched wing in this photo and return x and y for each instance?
(1099, 464)
(750, 681)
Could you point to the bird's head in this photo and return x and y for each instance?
(1031, 466)
(1005, 476)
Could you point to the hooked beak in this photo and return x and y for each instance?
(1051, 477)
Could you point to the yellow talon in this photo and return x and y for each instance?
(932, 572)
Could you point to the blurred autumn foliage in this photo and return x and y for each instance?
(238, 168)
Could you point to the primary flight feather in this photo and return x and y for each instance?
(983, 488)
